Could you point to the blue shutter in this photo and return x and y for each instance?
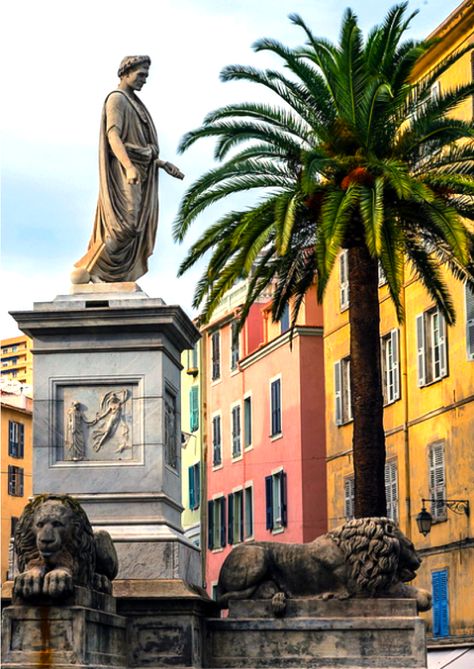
(21, 440)
(269, 502)
(222, 503)
(439, 581)
(230, 518)
(192, 492)
(193, 409)
(197, 485)
(283, 487)
(210, 524)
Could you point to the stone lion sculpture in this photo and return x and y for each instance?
(364, 557)
(57, 550)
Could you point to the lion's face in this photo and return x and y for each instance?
(51, 526)
(409, 561)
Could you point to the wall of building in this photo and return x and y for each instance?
(17, 360)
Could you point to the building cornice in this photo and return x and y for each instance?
(282, 340)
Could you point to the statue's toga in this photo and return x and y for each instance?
(127, 212)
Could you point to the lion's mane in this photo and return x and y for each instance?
(80, 545)
(371, 549)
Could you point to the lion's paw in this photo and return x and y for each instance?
(58, 583)
(29, 584)
(279, 603)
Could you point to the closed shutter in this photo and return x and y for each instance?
(337, 393)
(349, 498)
(197, 485)
(210, 524)
(13, 438)
(276, 407)
(344, 280)
(21, 440)
(20, 482)
(248, 421)
(269, 502)
(194, 408)
(11, 480)
(222, 505)
(284, 496)
(469, 322)
(396, 365)
(421, 349)
(241, 516)
(192, 492)
(437, 480)
(391, 490)
(230, 518)
(439, 582)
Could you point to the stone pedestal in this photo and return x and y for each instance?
(166, 622)
(106, 419)
(356, 634)
(83, 633)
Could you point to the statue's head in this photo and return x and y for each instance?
(131, 63)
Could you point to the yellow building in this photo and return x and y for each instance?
(16, 487)
(17, 361)
(428, 375)
(191, 452)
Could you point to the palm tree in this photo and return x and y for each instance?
(355, 157)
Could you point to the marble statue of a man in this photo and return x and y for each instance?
(127, 211)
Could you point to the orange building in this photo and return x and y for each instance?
(16, 480)
(17, 360)
(264, 439)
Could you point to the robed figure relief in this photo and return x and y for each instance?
(111, 419)
(74, 441)
(126, 220)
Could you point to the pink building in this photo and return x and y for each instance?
(265, 434)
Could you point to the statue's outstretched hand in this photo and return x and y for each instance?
(172, 170)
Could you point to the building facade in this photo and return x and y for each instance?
(264, 428)
(428, 383)
(16, 435)
(17, 360)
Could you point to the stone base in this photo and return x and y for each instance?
(356, 634)
(65, 636)
(158, 560)
(166, 622)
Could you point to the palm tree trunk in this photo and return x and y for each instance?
(368, 439)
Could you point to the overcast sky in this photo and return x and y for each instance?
(60, 60)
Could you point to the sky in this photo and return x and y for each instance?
(62, 59)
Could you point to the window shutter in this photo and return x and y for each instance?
(248, 421)
(337, 392)
(192, 499)
(420, 344)
(391, 490)
(269, 502)
(210, 524)
(20, 482)
(396, 365)
(193, 409)
(469, 322)
(222, 504)
(241, 517)
(344, 280)
(197, 485)
(283, 489)
(443, 350)
(349, 498)
(11, 486)
(439, 581)
(230, 518)
(437, 479)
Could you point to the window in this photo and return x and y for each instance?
(349, 497)
(381, 273)
(275, 500)
(285, 319)
(235, 517)
(194, 477)
(216, 441)
(439, 587)
(437, 481)
(247, 421)
(391, 490)
(16, 439)
(390, 367)
(342, 391)
(275, 407)
(248, 515)
(431, 345)
(216, 355)
(435, 92)
(344, 280)
(15, 481)
(234, 345)
(469, 322)
(216, 523)
(236, 438)
(194, 408)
